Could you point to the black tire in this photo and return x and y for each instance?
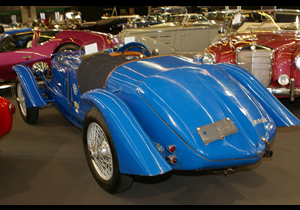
(66, 47)
(29, 115)
(111, 180)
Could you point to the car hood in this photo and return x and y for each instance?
(275, 40)
(193, 97)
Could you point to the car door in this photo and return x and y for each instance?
(14, 49)
(195, 34)
(195, 38)
(44, 45)
(64, 80)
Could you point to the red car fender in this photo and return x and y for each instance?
(5, 116)
(68, 40)
(89, 37)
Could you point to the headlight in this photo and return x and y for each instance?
(297, 61)
(208, 58)
(284, 80)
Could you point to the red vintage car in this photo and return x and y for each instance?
(30, 46)
(267, 45)
(6, 111)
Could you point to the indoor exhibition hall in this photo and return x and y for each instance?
(149, 105)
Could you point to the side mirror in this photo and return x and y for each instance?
(41, 68)
(155, 52)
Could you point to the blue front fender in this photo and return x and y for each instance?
(32, 93)
(136, 153)
(279, 113)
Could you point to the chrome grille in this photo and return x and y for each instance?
(258, 62)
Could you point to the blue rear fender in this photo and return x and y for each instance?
(137, 155)
(32, 93)
(278, 112)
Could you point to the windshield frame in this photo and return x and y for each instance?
(185, 19)
(266, 23)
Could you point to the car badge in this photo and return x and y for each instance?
(76, 105)
(74, 89)
(258, 121)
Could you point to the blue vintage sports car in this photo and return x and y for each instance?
(152, 115)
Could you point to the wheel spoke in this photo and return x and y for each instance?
(100, 152)
(21, 99)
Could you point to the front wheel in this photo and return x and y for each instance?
(29, 115)
(101, 154)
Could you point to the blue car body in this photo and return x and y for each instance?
(15, 31)
(19, 30)
(149, 104)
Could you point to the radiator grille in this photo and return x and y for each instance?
(257, 62)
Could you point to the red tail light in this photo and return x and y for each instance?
(171, 159)
(171, 148)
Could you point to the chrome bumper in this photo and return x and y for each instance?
(6, 85)
(291, 92)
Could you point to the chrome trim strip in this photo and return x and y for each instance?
(283, 91)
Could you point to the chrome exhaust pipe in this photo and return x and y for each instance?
(268, 152)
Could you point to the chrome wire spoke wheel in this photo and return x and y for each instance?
(21, 99)
(100, 152)
(29, 115)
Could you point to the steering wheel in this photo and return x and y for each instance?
(144, 52)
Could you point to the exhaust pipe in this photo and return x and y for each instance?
(224, 171)
(268, 152)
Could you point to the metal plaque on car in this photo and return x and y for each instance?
(217, 130)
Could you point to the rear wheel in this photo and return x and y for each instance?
(68, 47)
(29, 115)
(101, 154)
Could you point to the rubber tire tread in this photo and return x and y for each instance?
(32, 113)
(119, 182)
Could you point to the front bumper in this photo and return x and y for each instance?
(292, 91)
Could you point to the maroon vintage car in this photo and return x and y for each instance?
(30, 46)
(6, 111)
(267, 45)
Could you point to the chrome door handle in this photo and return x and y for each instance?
(26, 57)
(165, 35)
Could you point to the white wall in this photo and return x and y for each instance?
(28, 13)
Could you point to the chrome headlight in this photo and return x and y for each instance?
(208, 58)
(283, 80)
(297, 61)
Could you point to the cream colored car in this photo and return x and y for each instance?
(187, 34)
